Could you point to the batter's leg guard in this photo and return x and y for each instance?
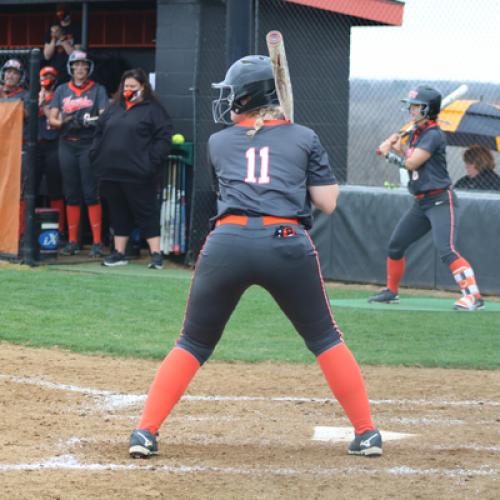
(170, 383)
(346, 382)
(464, 276)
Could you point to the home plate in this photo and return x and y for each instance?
(346, 434)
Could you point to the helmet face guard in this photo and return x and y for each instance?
(221, 107)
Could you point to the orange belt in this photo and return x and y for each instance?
(242, 220)
(419, 196)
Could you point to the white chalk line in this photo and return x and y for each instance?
(69, 462)
(115, 400)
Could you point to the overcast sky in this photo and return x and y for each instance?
(439, 40)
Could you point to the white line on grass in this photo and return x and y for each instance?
(69, 462)
(116, 400)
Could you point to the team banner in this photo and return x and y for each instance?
(11, 132)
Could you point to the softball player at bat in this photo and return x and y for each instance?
(424, 156)
(267, 171)
(72, 109)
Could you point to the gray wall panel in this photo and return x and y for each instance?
(352, 243)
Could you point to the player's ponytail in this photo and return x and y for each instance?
(262, 114)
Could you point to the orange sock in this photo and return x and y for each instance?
(170, 383)
(73, 216)
(346, 382)
(464, 276)
(59, 205)
(395, 271)
(95, 217)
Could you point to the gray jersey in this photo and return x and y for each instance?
(79, 101)
(269, 173)
(433, 174)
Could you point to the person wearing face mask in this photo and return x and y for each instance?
(435, 202)
(47, 163)
(131, 145)
(74, 111)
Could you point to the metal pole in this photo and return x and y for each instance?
(85, 26)
(239, 19)
(30, 159)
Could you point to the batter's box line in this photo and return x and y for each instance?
(69, 462)
(116, 400)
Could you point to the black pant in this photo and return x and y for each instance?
(79, 180)
(436, 213)
(132, 204)
(47, 163)
(235, 257)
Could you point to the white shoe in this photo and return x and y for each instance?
(469, 303)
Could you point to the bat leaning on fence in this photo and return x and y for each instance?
(276, 48)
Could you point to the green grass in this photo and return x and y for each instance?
(138, 313)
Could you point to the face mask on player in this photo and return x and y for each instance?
(132, 95)
(47, 83)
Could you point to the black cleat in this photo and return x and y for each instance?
(71, 248)
(115, 259)
(385, 296)
(142, 444)
(368, 444)
(156, 261)
(96, 250)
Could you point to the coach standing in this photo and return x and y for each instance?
(131, 144)
(75, 109)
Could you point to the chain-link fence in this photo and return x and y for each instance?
(386, 62)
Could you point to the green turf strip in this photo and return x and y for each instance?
(138, 312)
(412, 303)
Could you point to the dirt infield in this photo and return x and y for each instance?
(244, 431)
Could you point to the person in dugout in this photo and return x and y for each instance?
(435, 202)
(47, 163)
(74, 110)
(130, 147)
(12, 79)
(267, 172)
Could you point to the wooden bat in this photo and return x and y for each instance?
(276, 48)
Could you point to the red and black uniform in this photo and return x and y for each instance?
(433, 209)
(260, 239)
(79, 180)
(264, 180)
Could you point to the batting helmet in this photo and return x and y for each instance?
(250, 76)
(428, 98)
(12, 64)
(79, 56)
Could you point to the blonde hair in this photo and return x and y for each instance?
(480, 157)
(262, 114)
